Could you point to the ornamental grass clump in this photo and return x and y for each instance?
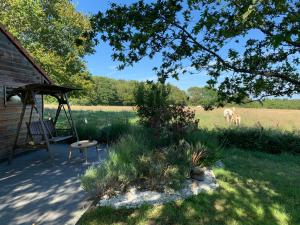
(137, 160)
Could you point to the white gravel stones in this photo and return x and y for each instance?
(134, 198)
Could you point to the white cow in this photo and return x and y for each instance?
(228, 114)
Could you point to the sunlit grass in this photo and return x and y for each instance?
(255, 188)
(272, 118)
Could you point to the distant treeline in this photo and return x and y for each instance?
(108, 91)
(275, 104)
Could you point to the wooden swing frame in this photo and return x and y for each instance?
(28, 95)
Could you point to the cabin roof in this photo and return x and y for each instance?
(24, 52)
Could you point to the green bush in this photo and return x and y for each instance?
(136, 160)
(261, 139)
(171, 121)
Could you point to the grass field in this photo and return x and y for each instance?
(276, 118)
(255, 188)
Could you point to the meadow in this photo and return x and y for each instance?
(255, 187)
(283, 119)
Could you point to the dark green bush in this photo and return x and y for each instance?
(155, 111)
(261, 139)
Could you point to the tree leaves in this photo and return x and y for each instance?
(254, 44)
(52, 31)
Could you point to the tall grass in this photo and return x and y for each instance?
(260, 139)
(105, 127)
(138, 159)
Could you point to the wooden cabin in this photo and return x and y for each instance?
(17, 68)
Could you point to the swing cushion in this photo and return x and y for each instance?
(36, 131)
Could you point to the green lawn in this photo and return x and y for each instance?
(255, 188)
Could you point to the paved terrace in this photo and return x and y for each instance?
(33, 191)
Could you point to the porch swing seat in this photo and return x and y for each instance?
(43, 132)
(36, 134)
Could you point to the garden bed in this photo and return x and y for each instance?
(134, 198)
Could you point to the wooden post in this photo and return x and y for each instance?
(12, 153)
(71, 118)
(4, 95)
(69, 121)
(57, 113)
(29, 121)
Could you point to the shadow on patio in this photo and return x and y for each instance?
(32, 190)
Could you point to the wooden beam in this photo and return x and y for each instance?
(71, 118)
(18, 132)
(57, 113)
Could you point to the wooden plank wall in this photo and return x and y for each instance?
(15, 71)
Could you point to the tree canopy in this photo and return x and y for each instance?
(203, 96)
(52, 32)
(108, 91)
(249, 48)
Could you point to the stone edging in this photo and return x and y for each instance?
(134, 198)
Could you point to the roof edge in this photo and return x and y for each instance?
(24, 52)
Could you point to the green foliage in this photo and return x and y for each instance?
(260, 139)
(50, 30)
(105, 91)
(210, 141)
(108, 91)
(105, 127)
(156, 112)
(275, 104)
(106, 133)
(254, 188)
(177, 96)
(135, 160)
(204, 96)
(206, 35)
(152, 100)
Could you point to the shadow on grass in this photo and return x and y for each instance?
(255, 188)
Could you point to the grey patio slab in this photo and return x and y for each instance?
(34, 191)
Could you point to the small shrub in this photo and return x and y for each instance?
(156, 112)
(151, 101)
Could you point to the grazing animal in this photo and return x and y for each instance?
(228, 114)
(232, 117)
(236, 119)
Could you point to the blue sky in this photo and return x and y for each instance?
(100, 63)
